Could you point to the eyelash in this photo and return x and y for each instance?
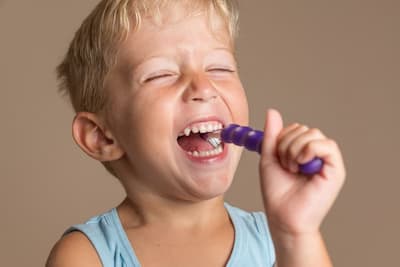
(152, 78)
(157, 77)
(222, 69)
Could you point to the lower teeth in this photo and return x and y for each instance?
(208, 153)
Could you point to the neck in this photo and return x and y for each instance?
(138, 211)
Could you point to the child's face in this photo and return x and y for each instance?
(169, 78)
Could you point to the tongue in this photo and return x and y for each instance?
(194, 142)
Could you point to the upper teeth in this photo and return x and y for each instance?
(203, 127)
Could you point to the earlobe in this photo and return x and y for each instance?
(91, 135)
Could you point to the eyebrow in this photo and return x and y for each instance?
(227, 49)
(132, 67)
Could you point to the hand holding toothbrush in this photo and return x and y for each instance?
(252, 140)
(301, 173)
(296, 204)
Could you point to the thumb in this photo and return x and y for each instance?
(273, 126)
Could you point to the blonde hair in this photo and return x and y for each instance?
(93, 51)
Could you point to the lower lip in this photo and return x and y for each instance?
(209, 159)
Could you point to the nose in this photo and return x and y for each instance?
(200, 89)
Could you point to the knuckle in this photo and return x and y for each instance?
(310, 146)
(315, 131)
(332, 143)
(304, 127)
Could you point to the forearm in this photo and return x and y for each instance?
(306, 250)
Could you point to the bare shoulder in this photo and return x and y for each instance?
(73, 249)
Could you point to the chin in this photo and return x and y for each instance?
(205, 180)
(212, 186)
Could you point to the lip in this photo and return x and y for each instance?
(209, 159)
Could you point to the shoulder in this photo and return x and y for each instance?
(253, 237)
(254, 219)
(73, 249)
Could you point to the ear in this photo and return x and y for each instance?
(91, 135)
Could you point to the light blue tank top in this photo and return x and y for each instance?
(252, 246)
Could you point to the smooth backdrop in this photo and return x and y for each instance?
(329, 64)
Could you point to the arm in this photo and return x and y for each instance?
(72, 250)
(295, 204)
(308, 250)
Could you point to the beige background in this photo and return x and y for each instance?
(330, 64)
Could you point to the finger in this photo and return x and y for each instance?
(328, 150)
(287, 129)
(297, 145)
(285, 141)
(273, 126)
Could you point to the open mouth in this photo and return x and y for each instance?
(194, 139)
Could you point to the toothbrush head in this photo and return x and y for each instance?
(213, 138)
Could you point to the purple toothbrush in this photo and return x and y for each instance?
(251, 139)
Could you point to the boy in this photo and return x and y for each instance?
(145, 77)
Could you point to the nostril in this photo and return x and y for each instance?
(204, 98)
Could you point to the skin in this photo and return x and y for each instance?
(168, 75)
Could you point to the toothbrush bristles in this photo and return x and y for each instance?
(215, 141)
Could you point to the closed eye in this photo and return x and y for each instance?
(221, 70)
(158, 76)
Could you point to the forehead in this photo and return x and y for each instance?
(177, 27)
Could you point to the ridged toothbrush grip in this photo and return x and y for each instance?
(252, 140)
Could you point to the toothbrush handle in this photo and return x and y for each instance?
(252, 139)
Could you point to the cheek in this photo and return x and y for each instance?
(238, 105)
(154, 119)
(140, 121)
(244, 107)
(157, 135)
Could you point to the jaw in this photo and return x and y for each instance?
(208, 177)
(211, 174)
